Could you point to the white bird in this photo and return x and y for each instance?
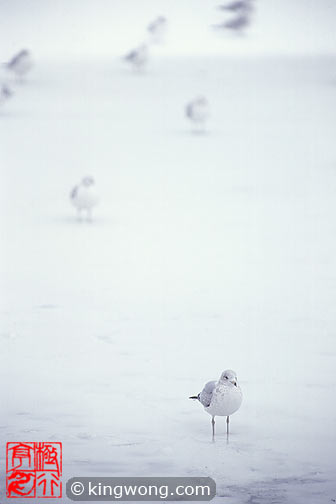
(198, 111)
(157, 29)
(20, 64)
(138, 57)
(221, 398)
(84, 197)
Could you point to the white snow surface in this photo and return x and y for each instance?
(207, 251)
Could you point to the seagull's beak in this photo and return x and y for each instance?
(234, 382)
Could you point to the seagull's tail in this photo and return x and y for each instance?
(195, 397)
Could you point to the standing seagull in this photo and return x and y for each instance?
(20, 64)
(198, 111)
(83, 196)
(138, 57)
(222, 398)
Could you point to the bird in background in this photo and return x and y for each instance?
(84, 197)
(20, 64)
(221, 398)
(242, 11)
(157, 30)
(238, 6)
(198, 112)
(138, 57)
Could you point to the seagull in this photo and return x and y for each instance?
(83, 196)
(198, 111)
(243, 10)
(157, 29)
(20, 64)
(221, 398)
(138, 57)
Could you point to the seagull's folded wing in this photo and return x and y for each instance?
(206, 394)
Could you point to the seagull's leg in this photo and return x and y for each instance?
(79, 215)
(213, 428)
(227, 426)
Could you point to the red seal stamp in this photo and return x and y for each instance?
(34, 470)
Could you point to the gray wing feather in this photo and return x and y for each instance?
(236, 24)
(189, 110)
(206, 395)
(73, 193)
(131, 55)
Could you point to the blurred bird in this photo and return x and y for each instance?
(138, 57)
(5, 93)
(221, 398)
(84, 197)
(198, 111)
(157, 29)
(239, 6)
(243, 10)
(20, 64)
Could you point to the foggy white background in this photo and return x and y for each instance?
(84, 28)
(207, 251)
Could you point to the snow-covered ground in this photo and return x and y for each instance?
(208, 251)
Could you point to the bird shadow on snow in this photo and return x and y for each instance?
(10, 114)
(83, 223)
(134, 74)
(105, 338)
(195, 133)
(47, 306)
